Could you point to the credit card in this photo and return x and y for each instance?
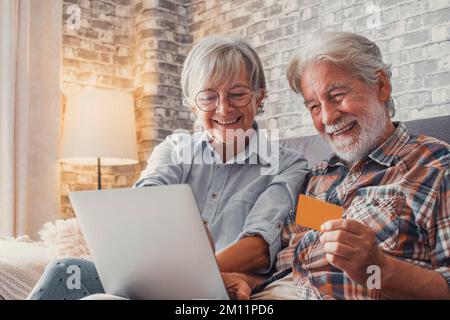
(312, 213)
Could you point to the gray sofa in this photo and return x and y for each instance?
(316, 150)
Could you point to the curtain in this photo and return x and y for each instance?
(30, 114)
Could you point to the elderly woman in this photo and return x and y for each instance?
(243, 194)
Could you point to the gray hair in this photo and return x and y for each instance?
(219, 59)
(359, 54)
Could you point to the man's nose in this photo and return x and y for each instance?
(329, 114)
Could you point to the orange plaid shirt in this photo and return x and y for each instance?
(401, 190)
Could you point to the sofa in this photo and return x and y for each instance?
(22, 262)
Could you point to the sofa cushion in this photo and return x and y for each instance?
(22, 263)
(315, 149)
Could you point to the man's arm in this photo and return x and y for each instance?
(402, 280)
(246, 255)
(351, 247)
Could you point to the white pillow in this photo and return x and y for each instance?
(65, 238)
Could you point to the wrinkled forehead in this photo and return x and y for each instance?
(318, 77)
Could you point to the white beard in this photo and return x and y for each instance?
(372, 127)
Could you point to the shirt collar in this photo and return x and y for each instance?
(387, 152)
(250, 151)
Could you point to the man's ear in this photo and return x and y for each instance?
(384, 86)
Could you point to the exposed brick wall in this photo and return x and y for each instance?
(129, 45)
(414, 37)
(99, 53)
(139, 46)
(162, 41)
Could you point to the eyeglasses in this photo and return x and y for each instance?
(208, 100)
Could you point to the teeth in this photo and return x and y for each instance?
(343, 129)
(227, 122)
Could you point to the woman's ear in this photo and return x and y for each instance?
(384, 87)
(260, 98)
(193, 114)
(187, 103)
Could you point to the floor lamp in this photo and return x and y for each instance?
(99, 128)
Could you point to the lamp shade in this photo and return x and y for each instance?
(99, 123)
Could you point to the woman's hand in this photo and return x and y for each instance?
(240, 285)
(211, 240)
(237, 285)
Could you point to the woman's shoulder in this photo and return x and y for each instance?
(180, 143)
(183, 137)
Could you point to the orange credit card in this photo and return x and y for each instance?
(312, 213)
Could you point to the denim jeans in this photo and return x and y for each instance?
(57, 282)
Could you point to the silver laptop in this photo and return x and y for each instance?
(149, 243)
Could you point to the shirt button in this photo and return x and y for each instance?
(214, 195)
(279, 225)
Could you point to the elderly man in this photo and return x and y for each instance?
(394, 188)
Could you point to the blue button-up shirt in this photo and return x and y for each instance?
(251, 194)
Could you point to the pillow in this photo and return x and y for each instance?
(22, 263)
(65, 238)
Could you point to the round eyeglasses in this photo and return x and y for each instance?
(209, 99)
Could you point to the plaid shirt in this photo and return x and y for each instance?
(401, 190)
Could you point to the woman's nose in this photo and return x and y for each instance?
(224, 105)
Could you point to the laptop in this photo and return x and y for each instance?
(149, 243)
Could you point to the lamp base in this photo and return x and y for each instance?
(99, 175)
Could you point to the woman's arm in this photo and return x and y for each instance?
(260, 240)
(239, 285)
(246, 255)
(164, 165)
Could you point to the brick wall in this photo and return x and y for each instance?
(129, 45)
(162, 40)
(413, 35)
(140, 45)
(97, 52)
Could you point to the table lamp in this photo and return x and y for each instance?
(99, 128)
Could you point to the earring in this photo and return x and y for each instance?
(261, 108)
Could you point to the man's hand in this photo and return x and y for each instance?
(237, 285)
(351, 247)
